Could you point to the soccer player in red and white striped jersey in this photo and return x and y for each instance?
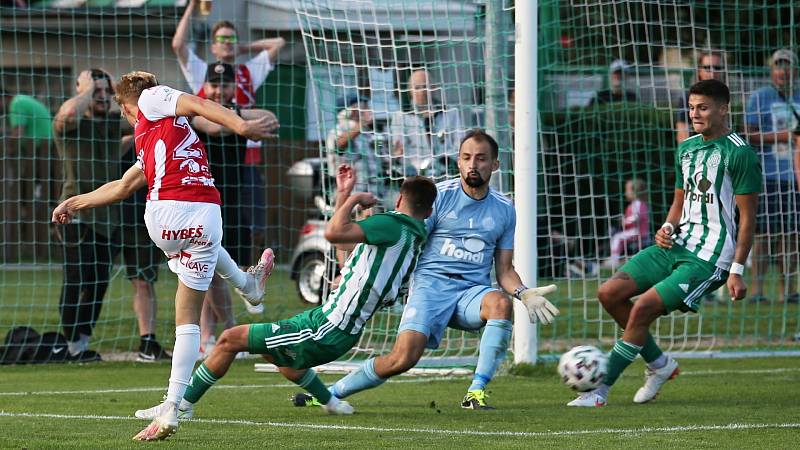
(182, 214)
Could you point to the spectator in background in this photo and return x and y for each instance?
(429, 134)
(26, 150)
(226, 153)
(142, 259)
(772, 117)
(87, 137)
(250, 76)
(710, 66)
(635, 233)
(616, 91)
(352, 142)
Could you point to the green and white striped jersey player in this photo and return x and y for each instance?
(711, 174)
(703, 244)
(386, 248)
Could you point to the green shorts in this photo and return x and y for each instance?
(680, 278)
(304, 341)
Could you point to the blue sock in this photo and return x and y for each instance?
(494, 346)
(361, 379)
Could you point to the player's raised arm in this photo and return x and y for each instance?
(256, 129)
(109, 193)
(215, 129)
(179, 40)
(340, 229)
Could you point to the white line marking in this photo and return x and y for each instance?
(313, 426)
(740, 372)
(222, 386)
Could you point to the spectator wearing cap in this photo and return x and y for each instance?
(226, 154)
(772, 117)
(710, 66)
(226, 47)
(616, 91)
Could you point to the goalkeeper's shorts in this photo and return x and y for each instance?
(190, 234)
(438, 301)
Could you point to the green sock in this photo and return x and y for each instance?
(202, 380)
(311, 382)
(621, 357)
(650, 350)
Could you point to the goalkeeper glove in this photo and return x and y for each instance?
(539, 308)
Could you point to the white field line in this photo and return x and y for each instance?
(222, 386)
(411, 380)
(740, 372)
(436, 431)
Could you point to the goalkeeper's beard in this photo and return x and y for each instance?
(474, 180)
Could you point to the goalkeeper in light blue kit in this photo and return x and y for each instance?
(472, 226)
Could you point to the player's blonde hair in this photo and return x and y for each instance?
(132, 84)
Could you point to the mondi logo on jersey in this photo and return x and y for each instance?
(471, 251)
(702, 184)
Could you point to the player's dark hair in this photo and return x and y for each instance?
(481, 135)
(715, 89)
(222, 24)
(419, 192)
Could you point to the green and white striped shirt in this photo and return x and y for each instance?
(376, 270)
(711, 174)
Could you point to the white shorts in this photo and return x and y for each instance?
(190, 234)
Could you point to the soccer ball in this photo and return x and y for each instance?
(583, 367)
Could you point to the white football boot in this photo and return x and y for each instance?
(654, 379)
(163, 426)
(340, 407)
(257, 276)
(185, 411)
(589, 399)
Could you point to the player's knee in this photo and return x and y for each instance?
(644, 313)
(399, 362)
(608, 294)
(230, 341)
(498, 307)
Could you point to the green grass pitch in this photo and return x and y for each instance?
(748, 403)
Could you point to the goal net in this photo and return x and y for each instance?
(391, 86)
(613, 83)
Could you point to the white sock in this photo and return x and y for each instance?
(74, 347)
(84, 340)
(659, 362)
(227, 269)
(332, 403)
(184, 355)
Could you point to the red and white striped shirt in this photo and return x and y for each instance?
(170, 154)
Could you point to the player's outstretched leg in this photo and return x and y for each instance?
(405, 354)
(614, 296)
(249, 285)
(495, 310)
(184, 355)
(646, 310)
